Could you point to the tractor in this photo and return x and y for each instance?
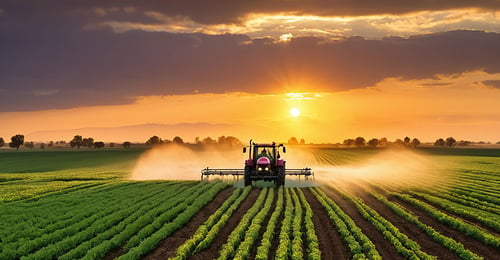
(264, 163)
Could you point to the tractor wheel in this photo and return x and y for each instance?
(248, 171)
(281, 176)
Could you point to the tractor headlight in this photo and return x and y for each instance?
(267, 168)
(260, 168)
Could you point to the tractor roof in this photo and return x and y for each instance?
(266, 145)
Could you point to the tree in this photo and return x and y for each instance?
(208, 141)
(154, 140)
(302, 141)
(99, 145)
(415, 142)
(360, 141)
(349, 142)
(229, 141)
(178, 140)
(382, 141)
(77, 141)
(450, 141)
(89, 142)
(30, 145)
(42, 146)
(439, 142)
(126, 144)
(293, 141)
(398, 142)
(406, 140)
(2, 142)
(16, 141)
(373, 142)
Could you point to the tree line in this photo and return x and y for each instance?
(231, 141)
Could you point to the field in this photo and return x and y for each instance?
(436, 203)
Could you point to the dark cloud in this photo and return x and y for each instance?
(492, 83)
(48, 60)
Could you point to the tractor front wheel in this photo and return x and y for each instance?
(280, 181)
(248, 171)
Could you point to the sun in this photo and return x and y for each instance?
(295, 112)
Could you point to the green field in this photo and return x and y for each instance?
(72, 204)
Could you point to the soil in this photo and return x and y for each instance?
(386, 249)
(168, 246)
(331, 244)
(470, 243)
(410, 230)
(212, 251)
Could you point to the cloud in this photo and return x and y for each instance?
(100, 67)
(492, 83)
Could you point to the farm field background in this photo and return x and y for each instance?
(72, 204)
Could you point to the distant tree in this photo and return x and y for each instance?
(229, 141)
(126, 144)
(178, 140)
(197, 140)
(498, 142)
(293, 141)
(154, 140)
(407, 140)
(99, 145)
(76, 142)
(111, 145)
(360, 141)
(302, 141)
(373, 142)
(89, 142)
(382, 141)
(398, 142)
(42, 146)
(16, 141)
(51, 144)
(439, 142)
(208, 141)
(415, 142)
(463, 143)
(30, 145)
(2, 142)
(349, 142)
(450, 141)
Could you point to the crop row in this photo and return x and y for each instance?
(151, 235)
(56, 232)
(238, 234)
(115, 235)
(403, 245)
(252, 232)
(284, 247)
(313, 251)
(204, 235)
(485, 218)
(358, 243)
(447, 242)
(268, 236)
(466, 200)
(468, 229)
(90, 228)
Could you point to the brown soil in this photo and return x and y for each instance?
(386, 249)
(168, 246)
(470, 243)
(330, 242)
(412, 231)
(212, 251)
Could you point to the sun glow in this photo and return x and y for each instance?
(295, 112)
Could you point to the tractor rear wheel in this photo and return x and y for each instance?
(280, 181)
(248, 171)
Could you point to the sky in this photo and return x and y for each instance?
(127, 70)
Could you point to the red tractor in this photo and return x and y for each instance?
(264, 163)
